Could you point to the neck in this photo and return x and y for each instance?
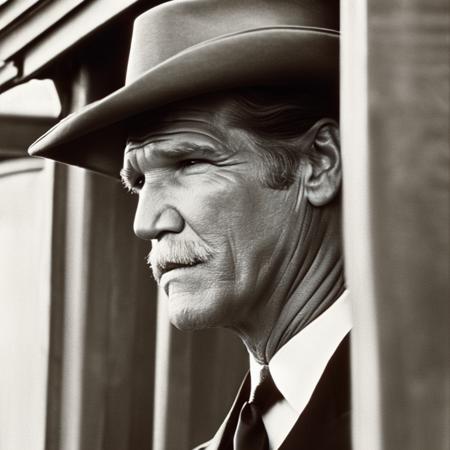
(306, 303)
(307, 289)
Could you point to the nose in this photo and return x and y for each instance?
(155, 218)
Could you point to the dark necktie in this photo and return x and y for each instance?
(250, 432)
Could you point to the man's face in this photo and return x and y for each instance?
(220, 239)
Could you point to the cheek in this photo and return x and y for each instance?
(223, 215)
(219, 203)
(238, 217)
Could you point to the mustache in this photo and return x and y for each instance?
(167, 255)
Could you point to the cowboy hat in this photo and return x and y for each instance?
(186, 48)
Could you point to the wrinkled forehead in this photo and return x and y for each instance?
(198, 115)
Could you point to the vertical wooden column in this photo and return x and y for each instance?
(359, 258)
(25, 200)
(101, 374)
(395, 101)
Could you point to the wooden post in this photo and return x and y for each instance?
(395, 119)
(25, 238)
(103, 304)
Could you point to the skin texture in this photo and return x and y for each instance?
(271, 257)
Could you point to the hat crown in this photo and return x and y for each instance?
(170, 28)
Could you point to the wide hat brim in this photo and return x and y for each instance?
(94, 138)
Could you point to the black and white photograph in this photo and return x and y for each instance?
(224, 225)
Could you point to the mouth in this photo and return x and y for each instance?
(169, 266)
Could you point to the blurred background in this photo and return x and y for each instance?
(88, 360)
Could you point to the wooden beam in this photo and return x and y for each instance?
(8, 72)
(33, 25)
(43, 31)
(11, 11)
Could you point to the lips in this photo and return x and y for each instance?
(168, 266)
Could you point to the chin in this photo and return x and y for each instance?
(186, 324)
(187, 313)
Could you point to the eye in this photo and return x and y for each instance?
(139, 183)
(191, 162)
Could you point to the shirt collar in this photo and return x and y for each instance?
(296, 368)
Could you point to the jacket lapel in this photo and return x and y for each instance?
(325, 422)
(223, 439)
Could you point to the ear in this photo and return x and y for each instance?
(323, 173)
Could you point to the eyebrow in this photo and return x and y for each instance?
(175, 150)
(171, 152)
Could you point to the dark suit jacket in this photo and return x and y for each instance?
(325, 422)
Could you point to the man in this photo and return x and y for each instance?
(230, 118)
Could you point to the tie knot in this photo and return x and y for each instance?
(266, 393)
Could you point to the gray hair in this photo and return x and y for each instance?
(276, 120)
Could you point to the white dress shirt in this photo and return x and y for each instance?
(304, 357)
